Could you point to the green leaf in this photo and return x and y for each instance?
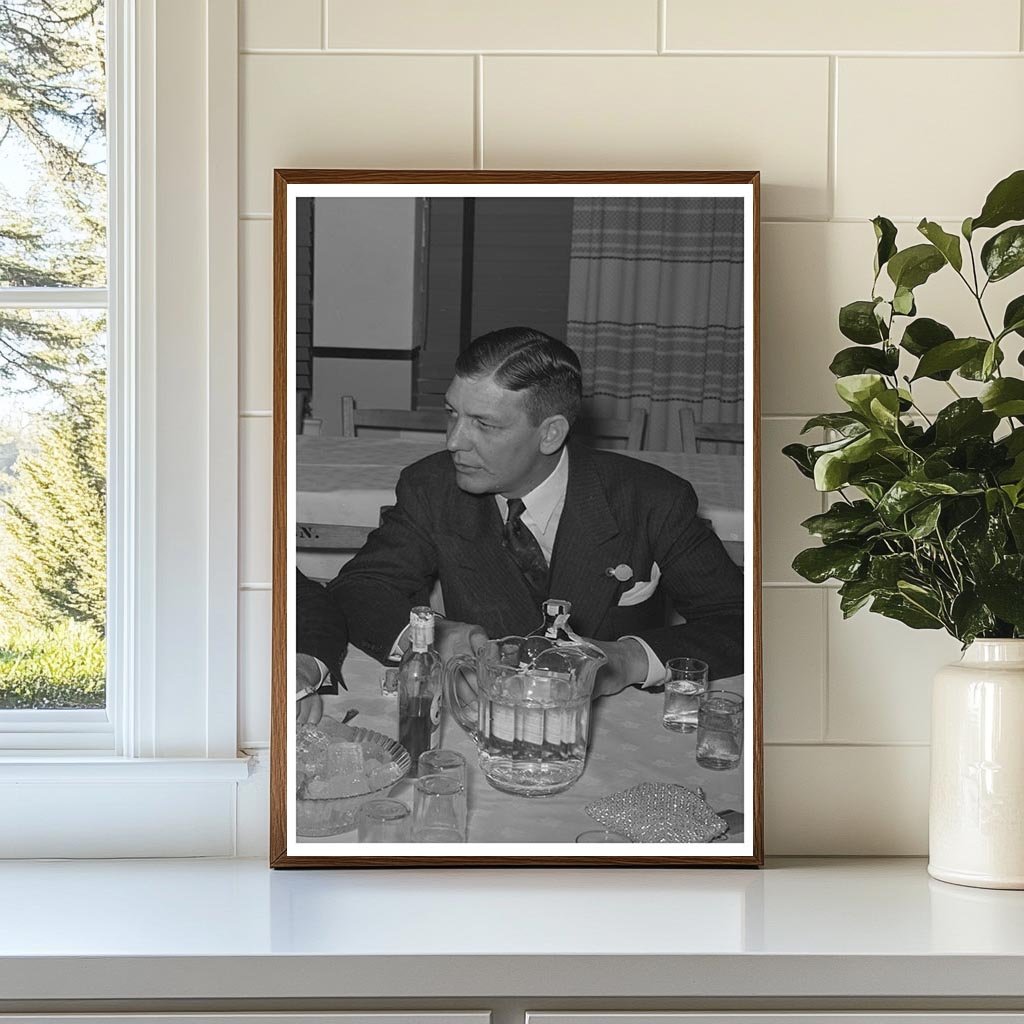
(990, 360)
(1004, 397)
(912, 267)
(885, 571)
(970, 617)
(947, 244)
(950, 355)
(849, 361)
(899, 608)
(854, 595)
(966, 417)
(904, 495)
(831, 471)
(1003, 254)
(1005, 202)
(925, 518)
(840, 561)
(923, 335)
(885, 409)
(965, 229)
(1005, 596)
(858, 389)
(885, 236)
(974, 368)
(843, 521)
(903, 302)
(799, 454)
(857, 321)
(841, 421)
(1013, 318)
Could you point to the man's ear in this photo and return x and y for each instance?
(553, 432)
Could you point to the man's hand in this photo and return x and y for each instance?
(308, 674)
(454, 638)
(310, 709)
(627, 664)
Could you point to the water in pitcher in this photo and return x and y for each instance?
(533, 730)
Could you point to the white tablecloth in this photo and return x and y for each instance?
(344, 481)
(628, 745)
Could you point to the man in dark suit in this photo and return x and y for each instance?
(513, 512)
(321, 640)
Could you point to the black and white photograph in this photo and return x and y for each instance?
(516, 571)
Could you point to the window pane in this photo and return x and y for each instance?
(53, 150)
(52, 509)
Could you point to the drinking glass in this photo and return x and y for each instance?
(443, 762)
(599, 835)
(719, 730)
(439, 809)
(686, 679)
(384, 821)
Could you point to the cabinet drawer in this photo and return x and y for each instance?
(933, 1017)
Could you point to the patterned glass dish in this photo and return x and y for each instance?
(338, 769)
(658, 813)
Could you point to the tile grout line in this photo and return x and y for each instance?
(323, 24)
(831, 171)
(825, 709)
(662, 40)
(478, 111)
(1020, 23)
(339, 51)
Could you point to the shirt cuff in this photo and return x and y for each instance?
(655, 668)
(324, 673)
(396, 648)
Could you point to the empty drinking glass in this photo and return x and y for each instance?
(601, 835)
(720, 730)
(384, 821)
(685, 680)
(443, 762)
(439, 809)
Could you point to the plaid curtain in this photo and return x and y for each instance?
(656, 309)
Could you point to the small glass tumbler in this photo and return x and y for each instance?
(720, 730)
(439, 810)
(443, 762)
(601, 835)
(384, 821)
(685, 681)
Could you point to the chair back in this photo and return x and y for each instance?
(631, 431)
(352, 418)
(694, 431)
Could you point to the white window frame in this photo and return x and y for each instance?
(162, 763)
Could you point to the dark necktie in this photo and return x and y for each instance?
(525, 550)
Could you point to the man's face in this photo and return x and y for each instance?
(495, 447)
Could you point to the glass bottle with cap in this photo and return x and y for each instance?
(420, 679)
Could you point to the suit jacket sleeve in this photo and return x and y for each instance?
(392, 573)
(701, 582)
(319, 627)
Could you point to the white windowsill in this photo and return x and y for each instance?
(78, 766)
(189, 930)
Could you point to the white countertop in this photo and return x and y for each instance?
(234, 929)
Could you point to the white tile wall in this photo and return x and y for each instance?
(838, 138)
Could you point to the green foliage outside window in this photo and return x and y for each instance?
(52, 364)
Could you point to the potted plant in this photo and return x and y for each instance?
(927, 521)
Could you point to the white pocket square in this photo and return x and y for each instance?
(642, 589)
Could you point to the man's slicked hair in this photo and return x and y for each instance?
(524, 359)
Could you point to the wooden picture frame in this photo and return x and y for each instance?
(739, 192)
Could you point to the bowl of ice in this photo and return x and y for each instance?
(337, 769)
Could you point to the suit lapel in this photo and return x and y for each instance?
(588, 542)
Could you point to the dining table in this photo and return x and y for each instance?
(628, 745)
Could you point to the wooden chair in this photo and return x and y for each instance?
(352, 418)
(631, 431)
(694, 432)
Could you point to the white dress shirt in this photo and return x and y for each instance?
(541, 516)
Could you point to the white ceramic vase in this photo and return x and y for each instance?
(976, 813)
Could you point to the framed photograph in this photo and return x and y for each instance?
(516, 609)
